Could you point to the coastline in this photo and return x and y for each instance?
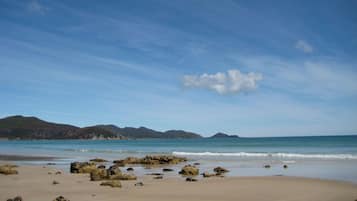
(35, 183)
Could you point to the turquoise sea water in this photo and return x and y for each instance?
(331, 157)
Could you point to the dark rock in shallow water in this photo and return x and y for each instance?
(61, 198)
(197, 164)
(155, 174)
(267, 166)
(190, 179)
(130, 169)
(167, 170)
(285, 166)
(98, 160)
(220, 170)
(51, 163)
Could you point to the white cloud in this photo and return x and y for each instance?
(224, 83)
(303, 46)
(37, 7)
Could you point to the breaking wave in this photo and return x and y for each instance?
(272, 155)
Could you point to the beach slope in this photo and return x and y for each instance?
(34, 183)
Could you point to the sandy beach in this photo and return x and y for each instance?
(34, 183)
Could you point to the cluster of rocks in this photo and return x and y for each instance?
(17, 198)
(112, 173)
(218, 171)
(151, 160)
(83, 167)
(8, 169)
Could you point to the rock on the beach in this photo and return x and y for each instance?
(61, 198)
(114, 170)
(190, 179)
(158, 177)
(82, 167)
(151, 160)
(17, 198)
(113, 184)
(98, 174)
(124, 177)
(55, 182)
(220, 170)
(139, 184)
(58, 172)
(189, 170)
(167, 170)
(8, 169)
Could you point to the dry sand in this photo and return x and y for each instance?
(34, 183)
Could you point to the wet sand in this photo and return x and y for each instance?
(34, 183)
(4, 157)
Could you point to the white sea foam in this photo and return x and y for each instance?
(272, 155)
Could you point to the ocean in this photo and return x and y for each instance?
(325, 157)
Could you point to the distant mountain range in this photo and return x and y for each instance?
(20, 127)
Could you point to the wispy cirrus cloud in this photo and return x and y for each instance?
(232, 82)
(304, 46)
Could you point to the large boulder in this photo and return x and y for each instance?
(8, 169)
(83, 167)
(220, 170)
(113, 184)
(189, 170)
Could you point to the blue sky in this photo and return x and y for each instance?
(252, 68)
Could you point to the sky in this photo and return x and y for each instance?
(251, 68)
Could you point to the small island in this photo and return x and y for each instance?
(223, 135)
